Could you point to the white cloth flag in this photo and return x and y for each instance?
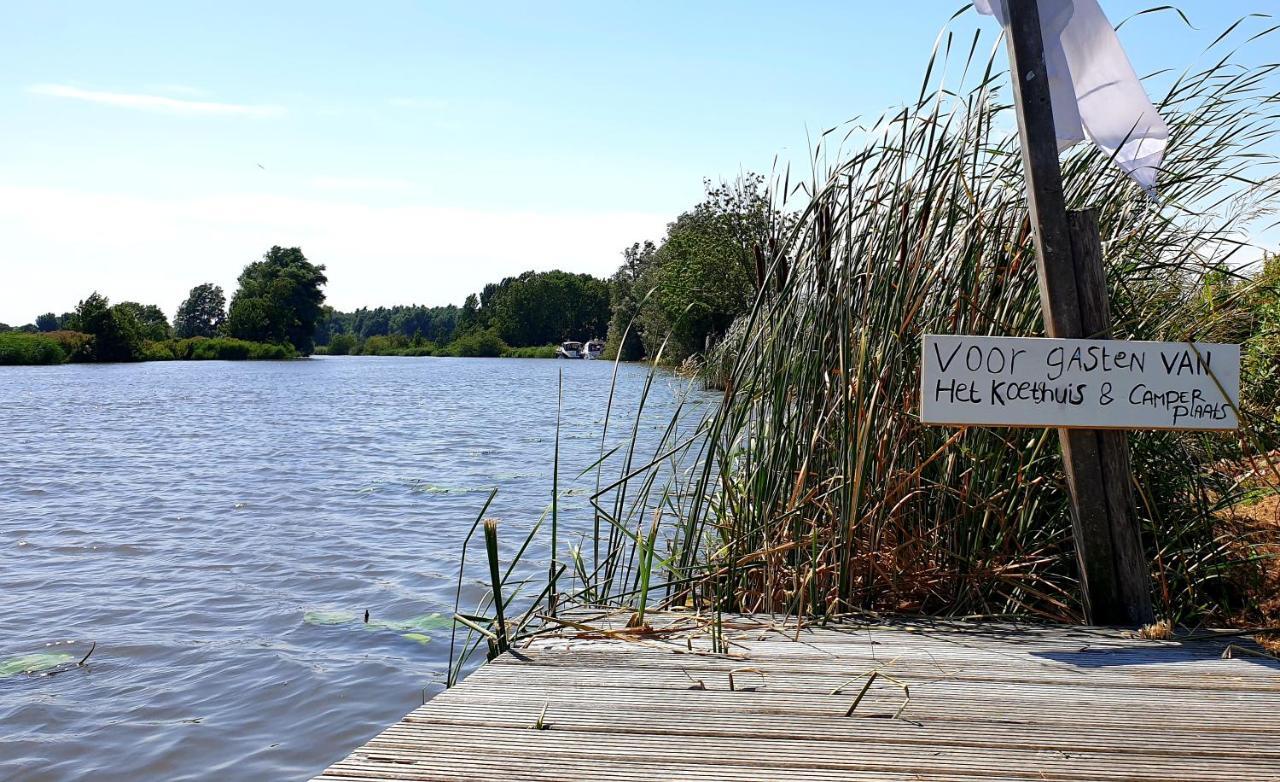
(1093, 89)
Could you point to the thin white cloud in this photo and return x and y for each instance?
(160, 103)
(179, 89)
(360, 183)
(418, 103)
(125, 245)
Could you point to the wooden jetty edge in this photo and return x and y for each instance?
(946, 701)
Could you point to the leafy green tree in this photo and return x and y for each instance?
(47, 322)
(342, 344)
(431, 324)
(706, 272)
(540, 308)
(469, 319)
(256, 319)
(330, 324)
(116, 333)
(376, 323)
(479, 344)
(152, 322)
(626, 332)
(202, 313)
(279, 300)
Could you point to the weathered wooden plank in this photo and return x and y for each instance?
(677, 719)
(883, 702)
(1066, 656)
(999, 635)
(682, 677)
(767, 754)
(1149, 683)
(598, 685)
(457, 765)
(1216, 674)
(1009, 705)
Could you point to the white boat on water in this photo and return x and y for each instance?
(569, 349)
(594, 349)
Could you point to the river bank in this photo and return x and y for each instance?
(62, 347)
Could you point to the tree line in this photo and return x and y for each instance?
(677, 295)
(682, 291)
(273, 314)
(531, 310)
(681, 294)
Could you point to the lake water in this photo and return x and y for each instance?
(218, 529)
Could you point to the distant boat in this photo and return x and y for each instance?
(569, 350)
(595, 349)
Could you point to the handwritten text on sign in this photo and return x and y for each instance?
(1095, 384)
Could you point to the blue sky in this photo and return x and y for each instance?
(419, 149)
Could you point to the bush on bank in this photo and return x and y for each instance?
(50, 347)
(483, 344)
(17, 347)
(479, 344)
(215, 349)
(536, 351)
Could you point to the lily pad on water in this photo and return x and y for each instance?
(328, 617)
(418, 624)
(34, 663)
(416, 629)
(433, 489)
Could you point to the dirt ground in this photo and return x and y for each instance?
(1258, 523)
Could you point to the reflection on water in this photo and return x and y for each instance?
(219, 530)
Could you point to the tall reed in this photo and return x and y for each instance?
(813, 488)
(823, 492)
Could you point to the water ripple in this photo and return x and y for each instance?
(186, 517)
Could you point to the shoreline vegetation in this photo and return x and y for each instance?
(62, 347)
(477, 344)
(669, 301)
(813, 489)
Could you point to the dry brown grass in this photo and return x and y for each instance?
(1264, 518)
(1256, 525)
(1157, 631)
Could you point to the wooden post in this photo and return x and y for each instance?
(1133, 585)
(1110, 597)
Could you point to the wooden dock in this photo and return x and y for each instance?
(948, 701)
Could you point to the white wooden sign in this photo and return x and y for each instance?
(1082, 383)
